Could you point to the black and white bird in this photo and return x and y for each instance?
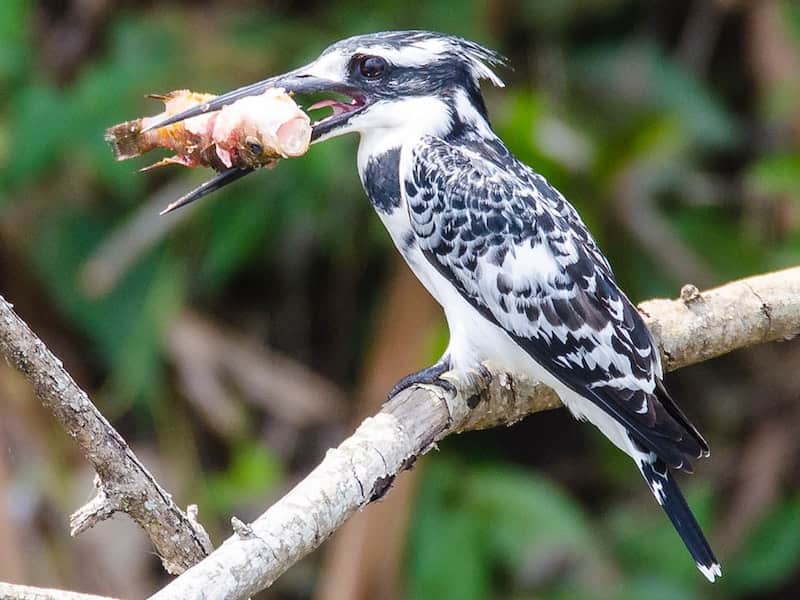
(520, 278)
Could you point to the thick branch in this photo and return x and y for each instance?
(751, 311)
(123, 482)
(10, 591)
(688, 330)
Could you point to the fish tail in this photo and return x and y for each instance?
(127, 140)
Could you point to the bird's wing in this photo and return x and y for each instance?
(520, 254)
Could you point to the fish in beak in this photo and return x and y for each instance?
(294, 82)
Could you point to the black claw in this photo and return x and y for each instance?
(381, 487)
(485, 373)
(431, 375)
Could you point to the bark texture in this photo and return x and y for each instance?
(10, 591)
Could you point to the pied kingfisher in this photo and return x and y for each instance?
(520, 278)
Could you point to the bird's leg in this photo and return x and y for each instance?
(431, 375)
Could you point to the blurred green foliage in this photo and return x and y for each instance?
(481, 526)
(598, 94)
(253, 472)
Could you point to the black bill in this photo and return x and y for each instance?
(219, 181)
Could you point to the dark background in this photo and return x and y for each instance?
(233, 343)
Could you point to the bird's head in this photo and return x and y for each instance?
(401, 82)
(387, 86)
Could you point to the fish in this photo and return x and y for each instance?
(250, 133)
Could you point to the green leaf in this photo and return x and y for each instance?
(718, 237)
(653, 587)
(771, 553)
(525, 515)
(39, 131)
(49, 125)
(138, 364)
(125, 328)
(642, 76)
(475, 524)
(775, 174)
(15, 31)
(790, 11)
(446, 558)
(648, 544)
(253, 472)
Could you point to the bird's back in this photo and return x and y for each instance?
(519, 254)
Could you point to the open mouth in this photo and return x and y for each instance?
(341, 112)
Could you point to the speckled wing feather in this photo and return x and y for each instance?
(520, 254)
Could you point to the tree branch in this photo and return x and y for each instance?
(694, 328)
(123, 483)
(11, 591)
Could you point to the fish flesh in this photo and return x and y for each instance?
(253, 132)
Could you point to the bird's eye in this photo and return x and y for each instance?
(254, 146)
(372, 67)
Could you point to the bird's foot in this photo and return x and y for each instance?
(431, 376)
(485, 374)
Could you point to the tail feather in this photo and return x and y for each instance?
(669, 496)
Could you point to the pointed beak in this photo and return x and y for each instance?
(298, 81)
(217, 182)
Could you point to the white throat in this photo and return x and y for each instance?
(389, 125)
